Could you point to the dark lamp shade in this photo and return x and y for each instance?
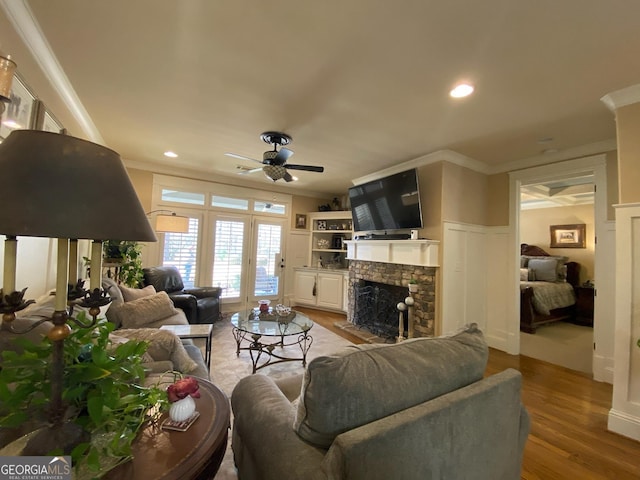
(59, 186)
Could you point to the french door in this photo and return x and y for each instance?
(247, 254)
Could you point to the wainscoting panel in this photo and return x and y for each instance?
(463, 276)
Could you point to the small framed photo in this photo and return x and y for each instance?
(45, 120)
(19, 114)
(301, 220)
(568, 236)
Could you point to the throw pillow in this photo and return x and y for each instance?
(363, 383)
(163, 345)
(144, 311)
(545, 270)
(130, 294)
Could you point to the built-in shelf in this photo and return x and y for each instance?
(402, 252)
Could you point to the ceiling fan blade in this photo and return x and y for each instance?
(241, 157)
(308, 168)
(288, 177)
(253, 170)
(282, 156)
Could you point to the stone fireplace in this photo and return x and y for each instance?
(398, 275)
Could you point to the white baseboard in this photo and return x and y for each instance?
(603, 369)
(624, 424)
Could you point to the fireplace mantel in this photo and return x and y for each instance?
(402, 252)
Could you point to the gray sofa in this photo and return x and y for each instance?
(420, 409)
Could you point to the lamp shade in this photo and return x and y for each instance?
(59, 186)
(172, 223)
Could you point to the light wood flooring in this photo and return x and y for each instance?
(568, 410)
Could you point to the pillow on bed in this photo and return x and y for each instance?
(545, 270)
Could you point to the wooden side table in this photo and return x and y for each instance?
(172, 455)
(585, 297)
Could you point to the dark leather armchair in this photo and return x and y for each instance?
(200, 304)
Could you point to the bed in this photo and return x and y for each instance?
(547, 288)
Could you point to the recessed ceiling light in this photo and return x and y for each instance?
(170, 154)
(461, 90)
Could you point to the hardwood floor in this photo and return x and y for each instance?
(568, 411)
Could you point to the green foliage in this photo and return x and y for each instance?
(102, 392)
(128, 256)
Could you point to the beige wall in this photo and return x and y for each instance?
(142, 181)
(464, 194)
(300, 204)
(498, 200)
(534, 230)
(430, 182)
(628, 128)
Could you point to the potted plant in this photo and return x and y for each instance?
(413, 285)
(103, 394)
(126, 258)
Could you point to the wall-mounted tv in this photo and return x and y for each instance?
(390, 203)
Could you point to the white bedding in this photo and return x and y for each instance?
(549, 295)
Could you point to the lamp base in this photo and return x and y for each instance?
(63, 438)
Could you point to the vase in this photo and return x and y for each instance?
(183, 409)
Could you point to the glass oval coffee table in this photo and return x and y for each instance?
(267, 333)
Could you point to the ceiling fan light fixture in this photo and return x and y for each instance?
(274, 172)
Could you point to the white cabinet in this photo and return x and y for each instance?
(305, 287)
(317, 288)
(330, 287)
(329, 232)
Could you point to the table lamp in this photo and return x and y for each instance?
(58, 186)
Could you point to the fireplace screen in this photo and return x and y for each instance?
(375, 308)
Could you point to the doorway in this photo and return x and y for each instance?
(603, 254)
(562, 201)
(247, 257)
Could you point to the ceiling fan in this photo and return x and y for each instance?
(274, 161)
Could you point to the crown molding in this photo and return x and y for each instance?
(622, 97)
(559, 156)
(428, 159)
(26, 26)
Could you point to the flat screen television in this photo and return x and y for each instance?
(389, 203)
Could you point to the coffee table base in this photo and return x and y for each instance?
(257, 348)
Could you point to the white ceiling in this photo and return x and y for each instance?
(360, 85)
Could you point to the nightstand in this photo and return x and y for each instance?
(584, 306)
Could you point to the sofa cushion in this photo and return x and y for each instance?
(130, 294)
(142, 312)
(363, 383)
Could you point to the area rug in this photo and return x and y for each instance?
(227, 368)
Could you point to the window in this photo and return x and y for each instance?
(269, 207)
(180, 251)
(228, 256)
(169, 195)
(229, 202)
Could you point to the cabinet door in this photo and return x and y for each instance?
(330, 287)
(305, 288)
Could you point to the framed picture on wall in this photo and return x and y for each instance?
(45, 120)
(19, 114)
(301, 220)
(568, 236)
